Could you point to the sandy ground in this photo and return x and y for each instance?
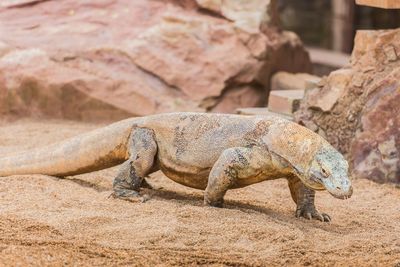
(49, 221)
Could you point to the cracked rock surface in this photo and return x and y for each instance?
(110, 59)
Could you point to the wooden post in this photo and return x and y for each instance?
(342, 25)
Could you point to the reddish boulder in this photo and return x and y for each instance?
(357, 108)
(111, 59)
(241, 96)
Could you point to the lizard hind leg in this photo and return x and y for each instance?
(142, 152)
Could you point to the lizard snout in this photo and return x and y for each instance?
(341, 190)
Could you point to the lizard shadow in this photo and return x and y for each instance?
(287, 219)
(196, 199)
(86, 184)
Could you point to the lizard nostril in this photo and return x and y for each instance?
(338, 187)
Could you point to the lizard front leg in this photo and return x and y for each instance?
(304, 198)
(233, 165)
(142, 151)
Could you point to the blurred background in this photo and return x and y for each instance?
(332, 24)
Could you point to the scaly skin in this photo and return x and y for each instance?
(212, 152)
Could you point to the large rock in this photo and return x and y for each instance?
(357, 108)
(111, 59)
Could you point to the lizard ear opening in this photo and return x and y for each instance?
(309, 180)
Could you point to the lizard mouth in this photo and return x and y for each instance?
(343, 196)
(343, 191)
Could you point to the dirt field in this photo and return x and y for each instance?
(50, 221)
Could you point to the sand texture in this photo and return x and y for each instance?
(47, 221)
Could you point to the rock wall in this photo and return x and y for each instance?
(358, 108)
(110, 59)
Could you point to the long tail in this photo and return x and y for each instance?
(96, 150)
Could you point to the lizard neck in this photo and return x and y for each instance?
(286, 169)
(289, 171)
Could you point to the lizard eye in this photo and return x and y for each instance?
(324, 172)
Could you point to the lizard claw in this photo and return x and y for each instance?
(216, 204)
(311, 213)
(129, 195)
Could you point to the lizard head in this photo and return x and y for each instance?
(329, 170)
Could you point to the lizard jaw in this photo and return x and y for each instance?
(339, 188)
(342, 190)
(343, 196)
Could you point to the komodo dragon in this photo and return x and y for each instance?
(215, 152)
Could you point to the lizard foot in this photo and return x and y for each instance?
(217, 204)
(129, 195)
(309, 212)
(145, 184)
